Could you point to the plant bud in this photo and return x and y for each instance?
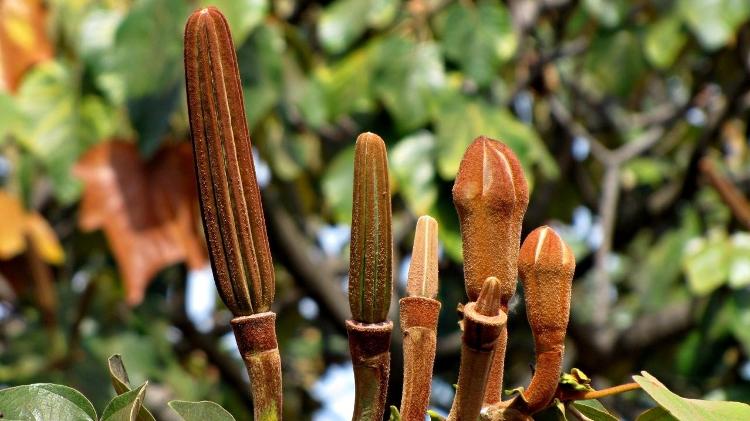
(546, 265)
(423, 269)
(488, 303)
(230, 198)
(370, 262)
(490, 195)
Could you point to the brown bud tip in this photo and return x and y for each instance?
(546, 265)
(370, 262)
(491, 196)
(488, 303)
(545, 253)
(490, 176)
(423, 269)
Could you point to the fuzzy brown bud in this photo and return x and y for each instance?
(546, 265)
(423, 269)
(230, 198)
(491, 196)
(370, 282)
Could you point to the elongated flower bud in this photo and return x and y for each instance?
(423, 269)
(546, 265)
(490, 195)
(489, 297)
(230, 198)
(370, 281)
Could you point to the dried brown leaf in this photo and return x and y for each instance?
(146, 209)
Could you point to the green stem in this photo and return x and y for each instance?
(256, 339)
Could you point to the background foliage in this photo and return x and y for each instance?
(610, 106)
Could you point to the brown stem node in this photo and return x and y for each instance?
(256, 340)
(369, 345)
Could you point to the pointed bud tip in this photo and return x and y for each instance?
(545, 250)
(423, 269)
(491, 171)
(488, 303)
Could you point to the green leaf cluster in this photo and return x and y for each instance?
(53, 402)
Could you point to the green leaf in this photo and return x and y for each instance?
(459, 120)
(653, 281)
(341, 23)
(656, 414)
(739, 267)
(449, 233)
(664, 40)
(278, 145)
(60, 125)
(200, 411)
(645, 171)
(45, 402)
(554, 412)
(11, 118)
(576, 380)
(337, 185)
(261, 69)
(394, 415)
(149, 115)
(620, 50)
(706, 263)
(409, 76)
(691, 409)
(411, 162)
(714, 22)
(147, 52)
(344, 21)
(478, 38)
(347, 85)
(121, 383)
(126, 406)
(739, 318)
(243, 15)
(434, 416)
(118, 374)
(607, 12)
(593, 410)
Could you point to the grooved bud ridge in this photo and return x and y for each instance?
(370, 281)
(230, 198)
